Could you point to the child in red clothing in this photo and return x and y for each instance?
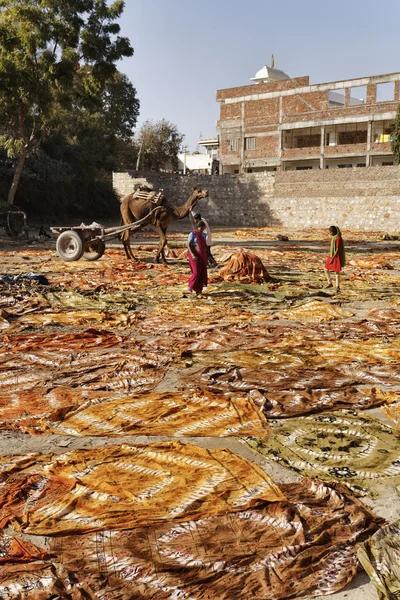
(336, 259)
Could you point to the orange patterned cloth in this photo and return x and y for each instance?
(126, 486)
(15, 550)
(166, 413)
(79, 412)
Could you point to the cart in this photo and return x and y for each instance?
(89, 241)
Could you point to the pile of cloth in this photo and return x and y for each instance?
(244, 267)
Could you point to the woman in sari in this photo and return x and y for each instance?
(197, 254)
(337, 257)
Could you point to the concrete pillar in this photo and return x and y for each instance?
(280, 139)
(322, 151)
(241, 165)
(397, 90)
(371, 93)
(347, 96)
(369, 137)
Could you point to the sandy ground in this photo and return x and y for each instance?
(387, 505)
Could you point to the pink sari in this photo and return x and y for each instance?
(198, 279)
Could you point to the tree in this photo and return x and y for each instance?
(57, 59)
(159, 145)
(395, 137)
(98, 125)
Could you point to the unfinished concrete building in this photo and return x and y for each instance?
(286, 124)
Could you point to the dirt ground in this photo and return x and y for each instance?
(297, 265)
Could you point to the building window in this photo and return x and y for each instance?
(358, 95)
(250, 143)
(303, 168)
(387, 164)
(307, 141)
(336, 98)
(233, 145)
(345, 166)
(385, 92)
(361, 165)
(352, 137)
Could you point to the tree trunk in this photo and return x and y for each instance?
(17, 177)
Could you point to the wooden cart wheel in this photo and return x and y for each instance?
(69, 245)
(93, 249)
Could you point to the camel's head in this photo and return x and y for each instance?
(197, 194)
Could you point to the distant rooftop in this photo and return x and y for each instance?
(209, 141)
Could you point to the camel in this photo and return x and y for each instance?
(135, 209)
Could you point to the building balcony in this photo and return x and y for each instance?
(345, 149)
(382, 147)
(288, 153)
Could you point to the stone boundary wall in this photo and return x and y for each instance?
(356, 199)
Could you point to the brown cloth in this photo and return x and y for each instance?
(245, 267)
(273, 551)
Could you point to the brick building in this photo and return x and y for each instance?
(283, 124)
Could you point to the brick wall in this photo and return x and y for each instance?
(261, 112)
(262, 88)
(355, 199)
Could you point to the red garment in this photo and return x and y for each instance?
(198, 279)
(334, 264)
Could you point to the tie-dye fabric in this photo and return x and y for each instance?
(305, 545)
(357, 450)
(380, 557)
(126, 486)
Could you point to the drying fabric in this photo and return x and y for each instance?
(168, 413)
(380, 557)
(357, 450)
(275, 551)
(384, 314)
(38, 410)
(313, 311)
(34, 581)
(245, 267)
(65, 342)
(80, 412)
(126, 486)
(131, 370)
(14, 550)
(286, 393)
(371, 262)
(75, 318)
(291, 403)
(393, 412)
(41, 279)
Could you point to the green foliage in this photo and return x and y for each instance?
(396, 137)
(160, 144)
(60, 181)
(58, 73)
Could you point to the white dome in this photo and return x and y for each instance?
(267, 74)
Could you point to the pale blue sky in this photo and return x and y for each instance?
(186, 50)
